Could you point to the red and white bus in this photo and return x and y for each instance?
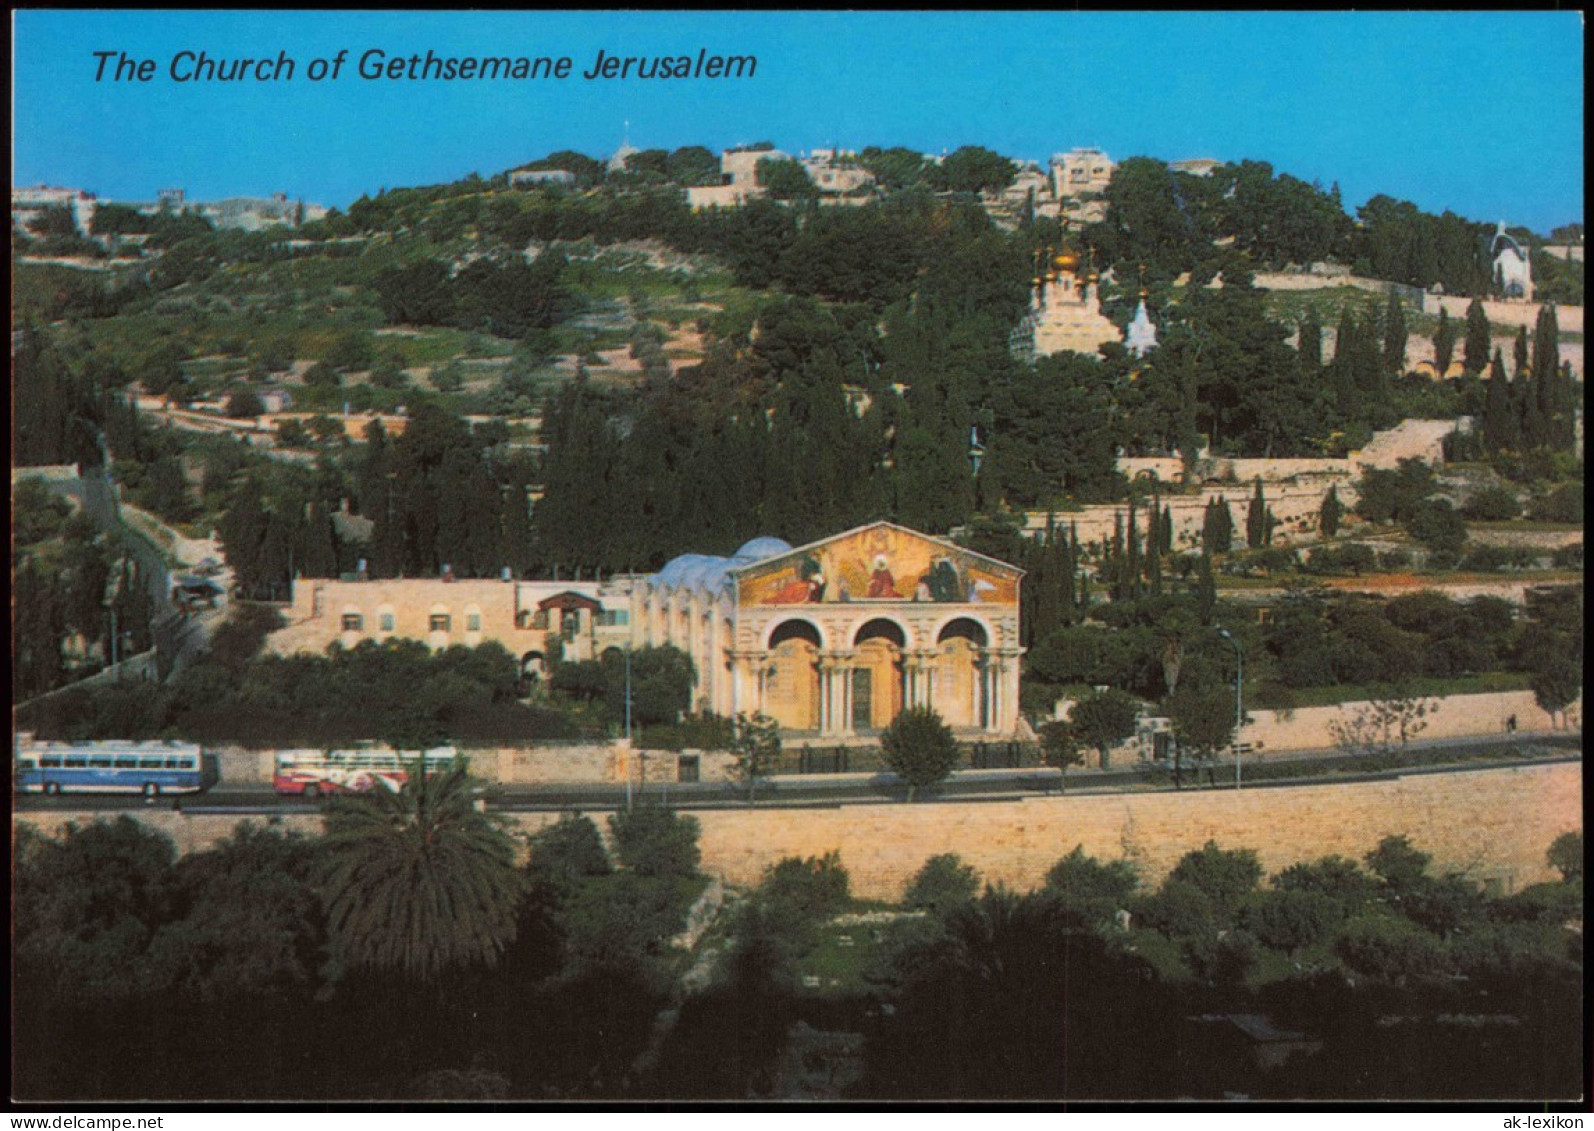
(315, 773)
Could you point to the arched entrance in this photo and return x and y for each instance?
(532, 672)
(791, 682)
(877, 677)
(960, 672)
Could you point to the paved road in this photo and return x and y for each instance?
(965, 788)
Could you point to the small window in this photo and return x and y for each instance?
(441, 622)
(127, 763)
(387, 622)
(100, 762)
(76, 762)
(27, 764)
(353, 622)
(151, 763)
(50, 762)
(540, 620)
(473, 622)
(174, 763)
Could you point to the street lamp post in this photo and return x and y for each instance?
(1239, 710)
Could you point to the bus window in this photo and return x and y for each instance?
(27, 764)
(149, 764)
(76, 762)
(50, 761)
(125, 763)
(100, 762)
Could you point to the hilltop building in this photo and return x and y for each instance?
(28, 203)
(1080, 171)
(1513, 268)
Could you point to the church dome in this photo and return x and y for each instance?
(760, 548)
(685, 569)
(1066, 260)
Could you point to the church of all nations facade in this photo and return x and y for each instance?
(831, 639)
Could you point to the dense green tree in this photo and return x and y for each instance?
(784, 179)
(1103, 719)
(88, 903)
(919, 748)
(653, 841)
(756, 749)
(973, 168)
(1093, 888)
(1565, 855)
(944, 883)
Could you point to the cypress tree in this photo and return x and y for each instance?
(1256, 519)
(1519, 369)
(1206, 590)
(1566, 408)
(1500, 429)
(370, 481)
(1475, 348)
(1166, 534)
(1342, 370)
(1394, 337)
(1210, 527)
(1328, 515)
(1546, 368)
(1154, 549)
(1310, 345)
(1132, 563)
(517, 529)
(1225, 526)
(1444, 343)
(1074, 594)
(320, 552)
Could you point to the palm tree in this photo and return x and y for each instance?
(417, 881)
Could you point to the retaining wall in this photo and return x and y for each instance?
(1492, 825)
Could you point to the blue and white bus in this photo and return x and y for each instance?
(150, 768)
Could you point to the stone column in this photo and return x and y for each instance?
(998, 699)
(846, 694)
(831, 722)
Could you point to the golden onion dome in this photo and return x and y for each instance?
(1067, 261)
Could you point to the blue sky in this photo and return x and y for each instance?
(1475, 111)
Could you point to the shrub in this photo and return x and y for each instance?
(1384, 946)
(654, 841)
(1564, 504)
(1492, 504)
(943, 883)
(812, 889)
(1568, 557)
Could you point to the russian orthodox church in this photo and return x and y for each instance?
(1065, 310)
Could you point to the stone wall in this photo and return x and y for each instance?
(1568, 319)
(1492, 825)
(590, 763)
(1295, 506)
(1456, 716)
